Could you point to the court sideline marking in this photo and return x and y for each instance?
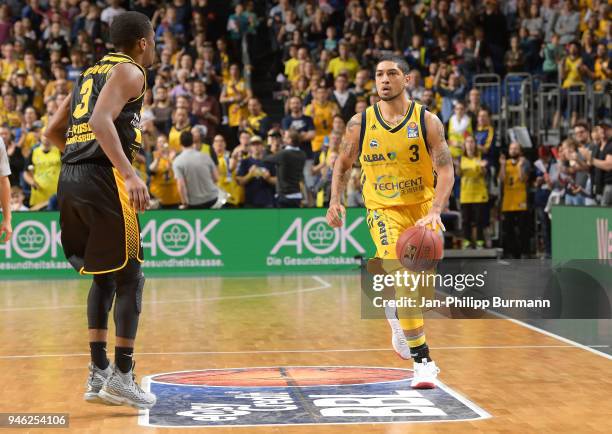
(347, 350)
(324, 285)
(590, 348)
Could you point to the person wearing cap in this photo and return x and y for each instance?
(344, 63)
(601, 162)
(257, 176)
(23, 92)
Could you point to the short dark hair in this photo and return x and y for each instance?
(186, 139)
(294, 136)
(129, 27)
(582, 124)
(401, 63)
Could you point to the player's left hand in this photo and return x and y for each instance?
(432, 219)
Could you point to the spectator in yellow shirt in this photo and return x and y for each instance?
(227, 166)
(343, 64)
(474, 194)
(9, 115)
(30, 131)
(299, 56)
(180, 123)
(199, 134)
(257, 121)
(163, 184)
(235, 96)
(322, 111)
(9, 62)
(60, 84)
(42, 173)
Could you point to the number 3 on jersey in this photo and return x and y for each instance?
(83, 107)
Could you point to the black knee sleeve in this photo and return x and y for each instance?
(100, 300)
(130, 282)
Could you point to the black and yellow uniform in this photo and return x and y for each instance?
(100, 230)
(397, 175)
(514, 188)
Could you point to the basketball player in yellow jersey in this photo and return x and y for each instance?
(407, 177)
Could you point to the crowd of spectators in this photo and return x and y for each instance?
(316, 59)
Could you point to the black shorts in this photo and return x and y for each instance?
(100, 230)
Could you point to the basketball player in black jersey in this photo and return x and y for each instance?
(100, 194)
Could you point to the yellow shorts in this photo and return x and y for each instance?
(387, 224)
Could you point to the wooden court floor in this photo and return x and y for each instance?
(527, 381)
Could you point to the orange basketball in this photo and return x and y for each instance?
(419, 248)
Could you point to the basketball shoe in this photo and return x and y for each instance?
(424, 375)
(122, 388)
(398, 339)
(95, 381)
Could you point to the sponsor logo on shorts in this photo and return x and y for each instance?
(297, 395)
(382, 233)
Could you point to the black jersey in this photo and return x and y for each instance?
(81, 143)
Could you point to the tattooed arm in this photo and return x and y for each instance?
(443, 165)
(349, 151)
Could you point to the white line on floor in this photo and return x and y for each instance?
(590, 348)
(323, 285)
(348, 350)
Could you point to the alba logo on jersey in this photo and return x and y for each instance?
(373, 158)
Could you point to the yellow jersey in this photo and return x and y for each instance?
(227, 182)
(573, 75)
(291, 69)
(323, 117)
(163, 185)
(174, 137)
(473, 183)
(339, 66)
(396, 168)
(515, 190)
(236, 113)
(47, 167)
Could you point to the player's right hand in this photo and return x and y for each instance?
(335, 215)
(137, 192)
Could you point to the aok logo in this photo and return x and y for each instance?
(33, 239)
(317, 237)
(178, 237)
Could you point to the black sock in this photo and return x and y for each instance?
(98, 354)
(123, 358)
(419, 353)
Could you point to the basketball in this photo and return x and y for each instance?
(419, 248)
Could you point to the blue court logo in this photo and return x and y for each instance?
(297, 395)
